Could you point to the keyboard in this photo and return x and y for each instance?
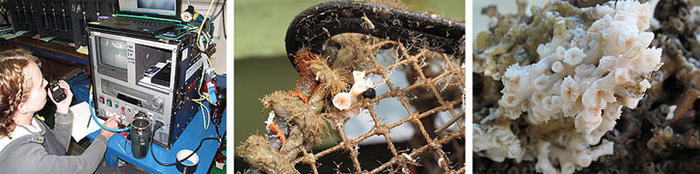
(142, 26)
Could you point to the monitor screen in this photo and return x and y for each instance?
(113, 53)
(152, 7)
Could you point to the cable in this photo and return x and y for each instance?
(199, 91)
(177, 161)
(223, 23)
(100, 124)
(218, 135)
(217, 14)
(206, 16)
(201, 81)
(204, 117)
(216, 126)
(94, 118)
(199, 44)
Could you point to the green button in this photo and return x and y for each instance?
(109, 103)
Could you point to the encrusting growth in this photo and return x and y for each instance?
(596, 63)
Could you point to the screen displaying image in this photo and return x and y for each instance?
(156, 4)
(113, 53)
(149, 7)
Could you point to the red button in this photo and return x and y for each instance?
(122, 108)
(102, 100)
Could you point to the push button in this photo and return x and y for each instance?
(109, 102)
(102, 100)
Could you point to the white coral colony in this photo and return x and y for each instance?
(575, 93)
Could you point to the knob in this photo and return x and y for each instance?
(157, 103)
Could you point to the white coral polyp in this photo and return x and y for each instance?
(358, 75)
(575, 93)
(343, 100)
(359, 87)
(573, 56)
(361, 84)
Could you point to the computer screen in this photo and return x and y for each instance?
(113, 53)
(153, 7)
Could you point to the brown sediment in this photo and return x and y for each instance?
(284, 104)
(306, 85)
(256, 152)
(302, 59)
(292, 109)
(307, 82)
(296, 140)
(685, 105)
(330, 79)
(318, 100)
(350, 52)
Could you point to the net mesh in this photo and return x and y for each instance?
(435, 85)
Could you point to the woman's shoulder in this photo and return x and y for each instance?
(19, 135)
(19, 155)
(21, 142)
(18, 148)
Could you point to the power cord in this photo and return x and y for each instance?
(218, 13)
(206, 17)
(160, 124)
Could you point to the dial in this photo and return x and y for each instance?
(157, 103)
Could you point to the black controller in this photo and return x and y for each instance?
(58, 93)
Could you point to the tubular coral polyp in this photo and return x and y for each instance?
(343, 100)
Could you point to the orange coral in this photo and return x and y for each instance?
(300, 95)
(276, 128)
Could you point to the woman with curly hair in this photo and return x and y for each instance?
(27, 145)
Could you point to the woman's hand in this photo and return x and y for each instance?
(112, 124)
(63, 106)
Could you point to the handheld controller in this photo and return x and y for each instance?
(58, 93)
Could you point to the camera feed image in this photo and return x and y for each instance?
(349, 86)
(156, 4)
(586, 86)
